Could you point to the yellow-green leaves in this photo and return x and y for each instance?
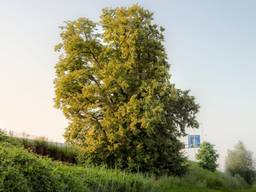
(114, 87)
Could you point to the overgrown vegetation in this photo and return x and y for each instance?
(21, 171)
(41, 146)
(56, 151)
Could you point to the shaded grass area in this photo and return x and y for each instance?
(56, 151)
(21, 170)
(41, 146)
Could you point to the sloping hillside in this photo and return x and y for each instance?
(21, 170)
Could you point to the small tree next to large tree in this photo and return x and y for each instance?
(207, 156)
(113, 85)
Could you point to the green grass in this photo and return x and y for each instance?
(56, 151)
(21, 170)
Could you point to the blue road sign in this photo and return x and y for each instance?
(193, 141)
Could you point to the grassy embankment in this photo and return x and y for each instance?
(21, 170)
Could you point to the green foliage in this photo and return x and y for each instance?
(114, 87)
(214, 180)
(207, 156)
(23, 171)
(240, 162)
(62, 152)
(8, 139)
(57, 151)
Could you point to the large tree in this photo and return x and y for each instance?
(113, 85)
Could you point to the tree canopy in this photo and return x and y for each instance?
(113, 85)
(207, 156)
(240, 162)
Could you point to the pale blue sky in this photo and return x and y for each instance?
(211, 46)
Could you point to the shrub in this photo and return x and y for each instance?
(24, 171)
(19, 169)
(9, 139)
(197, 176)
